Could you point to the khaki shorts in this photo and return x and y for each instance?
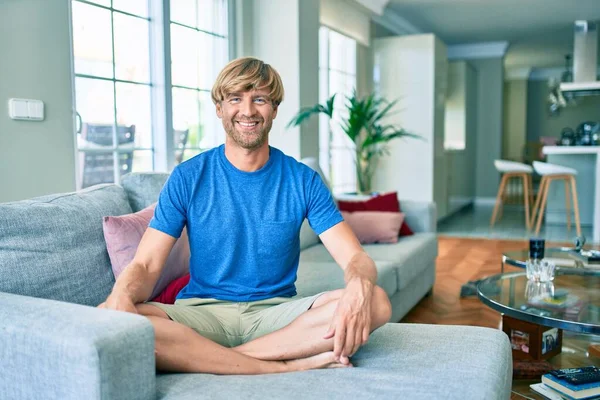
(231, 323)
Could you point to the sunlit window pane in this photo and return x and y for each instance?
(212, 16)
(101, 2)
(133, 108)
(92, 43)
(132, 52)
(142, 161)
(136, 7)
(184, 12)
(184, 56)
(338, 76)
(195, 112)
(94, 101)
(213, 56)
(190, 154)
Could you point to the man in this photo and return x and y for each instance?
(243, 204)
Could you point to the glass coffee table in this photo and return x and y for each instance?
(512, 294)
(561, 256)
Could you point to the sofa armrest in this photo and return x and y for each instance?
(421, 216)
(56, 350)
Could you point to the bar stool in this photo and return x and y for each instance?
(509, 170)
(549, 173)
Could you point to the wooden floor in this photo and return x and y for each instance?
(459, 261)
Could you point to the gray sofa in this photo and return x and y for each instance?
(54, 344)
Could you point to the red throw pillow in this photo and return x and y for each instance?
(383, 202)
(170, 293)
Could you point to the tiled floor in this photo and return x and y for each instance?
(474, 222)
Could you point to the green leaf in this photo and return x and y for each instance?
(307, 112)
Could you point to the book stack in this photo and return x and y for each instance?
(559, 389)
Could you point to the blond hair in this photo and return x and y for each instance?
(244, 74)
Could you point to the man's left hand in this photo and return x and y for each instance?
(351, 322)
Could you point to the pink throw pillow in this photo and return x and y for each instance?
(380, 202)
(123, 234)
(374, 226)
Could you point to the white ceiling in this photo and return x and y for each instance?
(539, 32)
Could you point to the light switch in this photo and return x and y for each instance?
(35, 110)
(17, 109)
(25, 109)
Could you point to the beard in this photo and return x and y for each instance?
(249, 140)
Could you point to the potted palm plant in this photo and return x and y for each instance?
(364, 125)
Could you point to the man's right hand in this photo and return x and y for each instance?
(119, 302)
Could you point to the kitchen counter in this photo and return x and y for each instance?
(586, 160)
(571, 150)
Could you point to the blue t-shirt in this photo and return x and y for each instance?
(243, 227)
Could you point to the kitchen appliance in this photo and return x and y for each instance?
(585, 60)
(584, 134)
(567, 137)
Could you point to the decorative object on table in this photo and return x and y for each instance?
(538, 269)
(531, 341)
(364, 124)
(535, 290)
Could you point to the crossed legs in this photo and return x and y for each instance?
(298, 346)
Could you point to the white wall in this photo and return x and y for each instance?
(295, 56)
(36, 158)
(515, 119)
(406, 67)
(490, 81)
(456, 118)
(459, 128)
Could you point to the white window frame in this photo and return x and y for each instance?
(324, 121)
(163, 152)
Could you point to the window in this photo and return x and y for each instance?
(199, 49)
(337, 69)
(114, 50)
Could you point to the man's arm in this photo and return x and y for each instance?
(352, 319)
(136, 282)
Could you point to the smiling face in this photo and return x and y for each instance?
(247, 118)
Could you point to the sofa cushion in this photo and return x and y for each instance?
(374, 226)
(380, 202)
(123, 234)
(53, 246)
(143, 188)
(316, 277)
(400, 361)
(410, 255)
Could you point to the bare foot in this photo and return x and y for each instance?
(319, 361)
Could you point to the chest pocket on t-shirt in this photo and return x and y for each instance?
(277, 239)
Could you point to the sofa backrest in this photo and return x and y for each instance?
(53, 246)
(143, 188)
